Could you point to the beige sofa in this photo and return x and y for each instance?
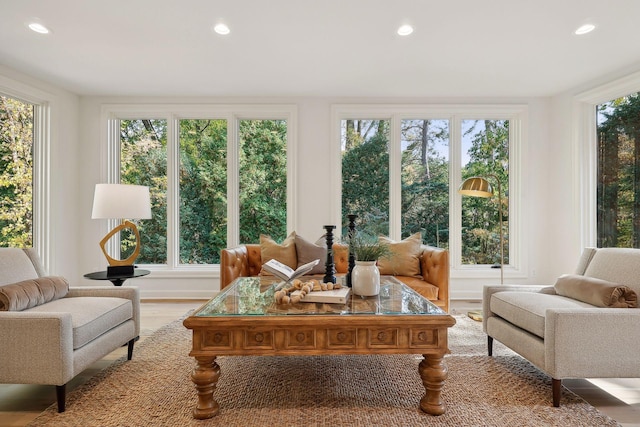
(564, 336)
(50, 342)
(432, 283)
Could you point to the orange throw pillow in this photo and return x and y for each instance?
(405, 256)
(284, 252)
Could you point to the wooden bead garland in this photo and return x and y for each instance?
(282, 296)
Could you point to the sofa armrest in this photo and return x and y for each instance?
(234, 263)
(37, 348)
(489, 290)
(434, 266)
(128, 292)
(592, 342)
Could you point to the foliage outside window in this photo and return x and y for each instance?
(16, 172)
(143, 153)
(424, 173)
(263, 179)
(365, 174)
(203, 190)
(425, 180)
(618, 175)
(201, 183)
(485, 153)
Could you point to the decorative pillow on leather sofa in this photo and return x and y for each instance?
(307, 252)
(30, 293)
(405, 256)
(285, 252)
(598, 292)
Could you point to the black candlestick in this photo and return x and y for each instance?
(352, 257)
(329, 273)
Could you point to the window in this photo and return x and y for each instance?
(401, 167)
(16, 173)
(263, 179)
(217, 176)
(143, 161)
(365, 176)
(25, 133)
(203, 190)
(618, 172)
(425, 180)
(485, 153)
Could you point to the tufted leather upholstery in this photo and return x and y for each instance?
(245, 261)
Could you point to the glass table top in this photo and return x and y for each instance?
(254, 296)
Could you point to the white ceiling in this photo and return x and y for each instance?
(320, 48)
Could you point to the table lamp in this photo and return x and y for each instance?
(121, 201)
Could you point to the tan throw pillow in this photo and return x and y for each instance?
(285, 252)
(30, 293)
(405, 256)
(307, 252)
(596, 292)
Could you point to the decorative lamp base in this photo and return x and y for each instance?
(118, 270)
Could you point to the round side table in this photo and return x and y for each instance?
(116, 279)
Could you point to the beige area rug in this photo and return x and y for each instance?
(154, 389)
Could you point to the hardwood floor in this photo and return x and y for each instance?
(19, 404)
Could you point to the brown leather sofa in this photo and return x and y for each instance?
(433, 284)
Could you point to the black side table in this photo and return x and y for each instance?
(116, 279)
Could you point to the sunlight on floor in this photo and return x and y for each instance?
(625, 389)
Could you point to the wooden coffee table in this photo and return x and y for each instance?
(244, 320)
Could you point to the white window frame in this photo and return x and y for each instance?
(42, 102)
(111, 114)
(517, 114)
(585, 153)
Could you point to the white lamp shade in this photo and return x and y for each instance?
(121, 201)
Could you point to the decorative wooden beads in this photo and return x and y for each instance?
(282, 296)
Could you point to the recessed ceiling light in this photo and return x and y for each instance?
(221, 29)
(38, 28)
(584, 29)
(405, 30)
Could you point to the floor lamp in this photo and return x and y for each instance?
(480, 187)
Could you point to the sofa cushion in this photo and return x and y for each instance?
(16, 266)
(425, 289)
(285, 252)
(598, 292)
(405, 256)
(90, 316)
(527, 309)
(307, 251)
(30, 293)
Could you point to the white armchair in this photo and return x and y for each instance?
(566, 337)
(53, 342)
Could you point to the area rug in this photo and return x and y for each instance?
(154, 389)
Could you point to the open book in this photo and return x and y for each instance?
(285, 272)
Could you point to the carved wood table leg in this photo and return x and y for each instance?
(205, 377)
(433, 372)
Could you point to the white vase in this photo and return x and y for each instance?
(365, 278)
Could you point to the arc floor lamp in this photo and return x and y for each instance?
(479, 187)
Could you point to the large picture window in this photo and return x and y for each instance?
(618, 175)
(16, 172)
(365, 173)
(217, 177)
(401, 168)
